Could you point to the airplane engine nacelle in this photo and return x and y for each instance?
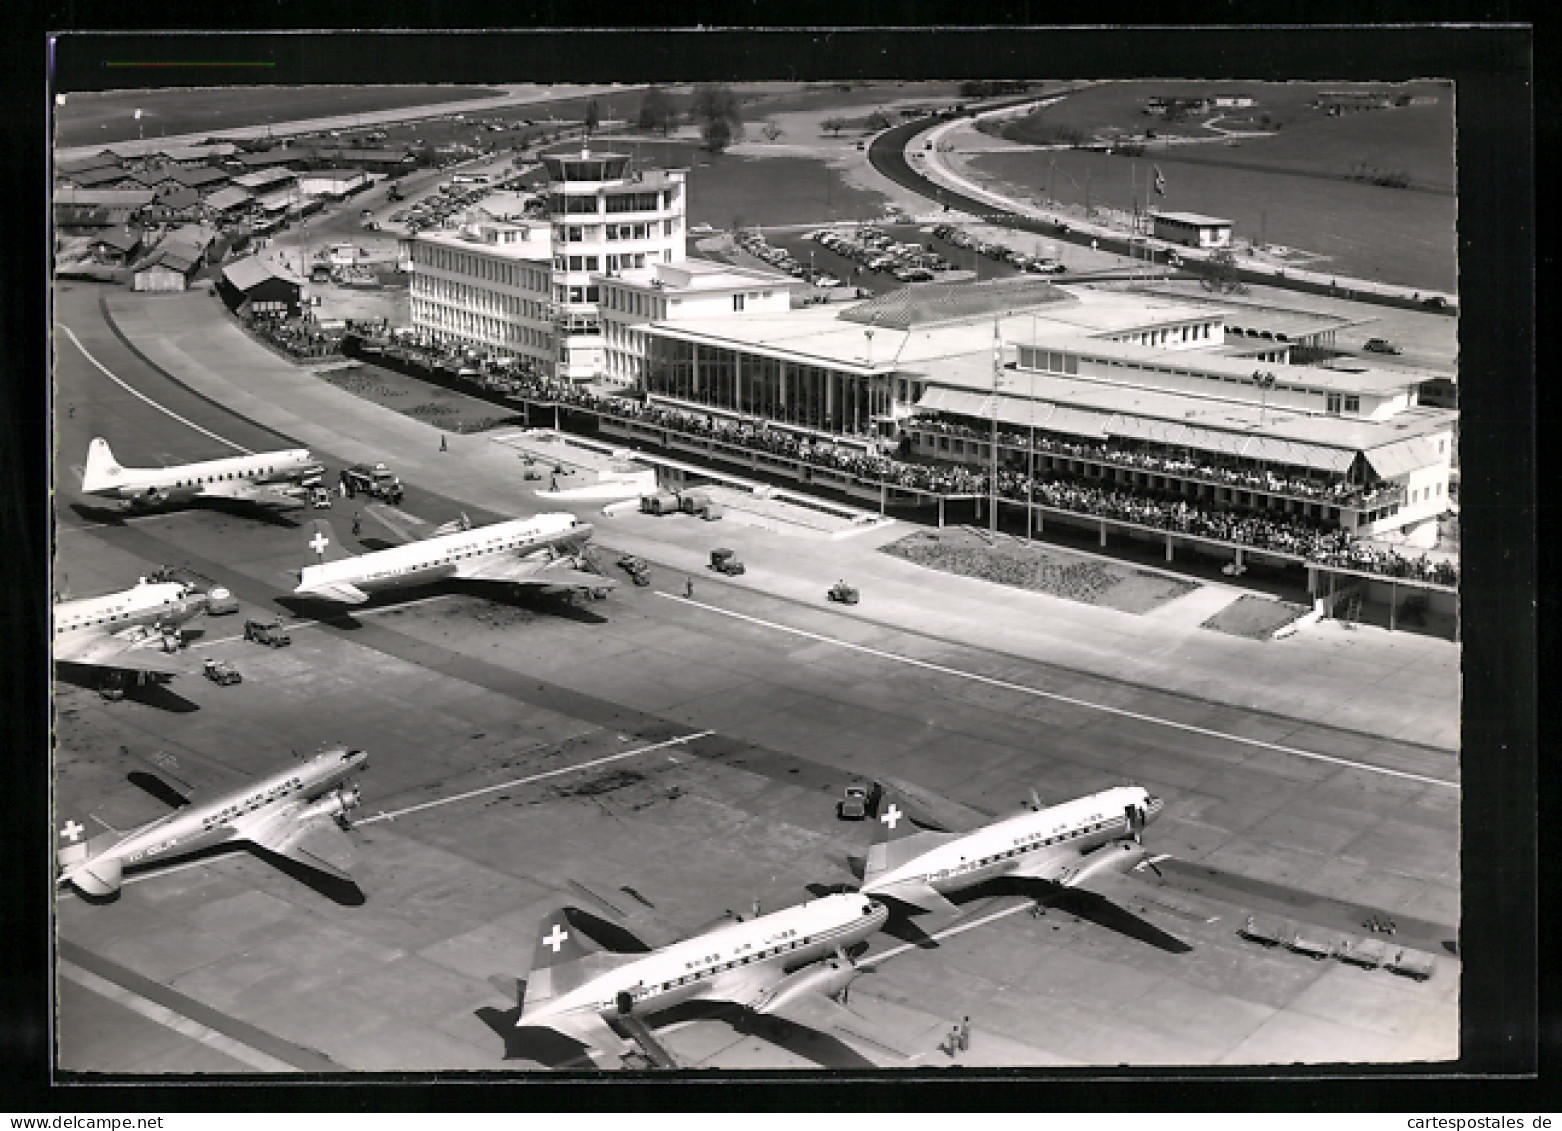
(1115, 857)
(336, 804)
(829, 979)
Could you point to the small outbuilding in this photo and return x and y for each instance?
(169, 268)
(116, 246)
(1191, 229)
(255, 286)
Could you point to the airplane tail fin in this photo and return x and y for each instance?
(563, 959)
(323, 545)
(82, 864)
(103, 470)
(896, 837)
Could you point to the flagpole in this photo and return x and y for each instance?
(992, 484)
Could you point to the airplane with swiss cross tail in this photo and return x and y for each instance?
(272, 479)
(790, 964)
(544, 551)
(1081, 843)
(297, 812)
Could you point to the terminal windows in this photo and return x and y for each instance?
(737, 302)
(1352, 404)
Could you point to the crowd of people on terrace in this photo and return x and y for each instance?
(1283, 533)
(1336, 492)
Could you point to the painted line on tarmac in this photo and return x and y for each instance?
(872, 961)
(171, 1019)
(1008, 685)
(143, 397)
(534, 777)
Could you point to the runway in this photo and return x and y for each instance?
(692, 751)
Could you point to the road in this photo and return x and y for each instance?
(467, 704)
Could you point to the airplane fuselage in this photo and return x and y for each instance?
(778, 942)
(444, 556)
(149, 603)
(221, 819)
(1026, 842)
(162, 486)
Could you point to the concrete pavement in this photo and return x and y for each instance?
(1396, 685)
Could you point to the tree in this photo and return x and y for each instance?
(593, 117)
(716, 110)
(656, 111)
(834, 125)
(878, 120)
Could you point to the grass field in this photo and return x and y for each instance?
(1417, 141)
(109, 117)
(1044, 569)
(1361, 230)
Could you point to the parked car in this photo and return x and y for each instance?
(221, 672)
(1380, 345)
(853, 806)
(220, 602)
(269, 631)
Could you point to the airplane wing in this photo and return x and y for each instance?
(316, 843)
(523, 571)
(398, 531)
(935, 809)
(341, 591)
(826, 1015)
(171, 771)
(917, 893)
(135, 649)
(634, 912)
(248, 492)
(1094, 872)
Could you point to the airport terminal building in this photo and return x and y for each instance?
(1105, 386)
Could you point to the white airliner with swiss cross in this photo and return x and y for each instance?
(540, 551)
(132, 630)
(770, 965)
(273, 479)
(1069, 845)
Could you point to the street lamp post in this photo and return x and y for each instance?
(1265, 380)
(992, 482)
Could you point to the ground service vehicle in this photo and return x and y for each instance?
(663, 502)
(1380, 345)
(219, 602)
(854, 805)
(320, 498)
(221, 672)
(845, 594)
(639, 572)
(267, 631)
(376, 481)
(726, 561)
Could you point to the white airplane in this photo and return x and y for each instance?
(542, 551)
(293, 812)
(1070, 845)
(770, 965)
(268, 478)
(132, 630)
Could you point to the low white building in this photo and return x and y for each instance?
(670, 292)
(488, 285)
(1191, 229)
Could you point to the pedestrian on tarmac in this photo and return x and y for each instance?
(73, 411)
(357, 525)
(688, 588)
(442, 446)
